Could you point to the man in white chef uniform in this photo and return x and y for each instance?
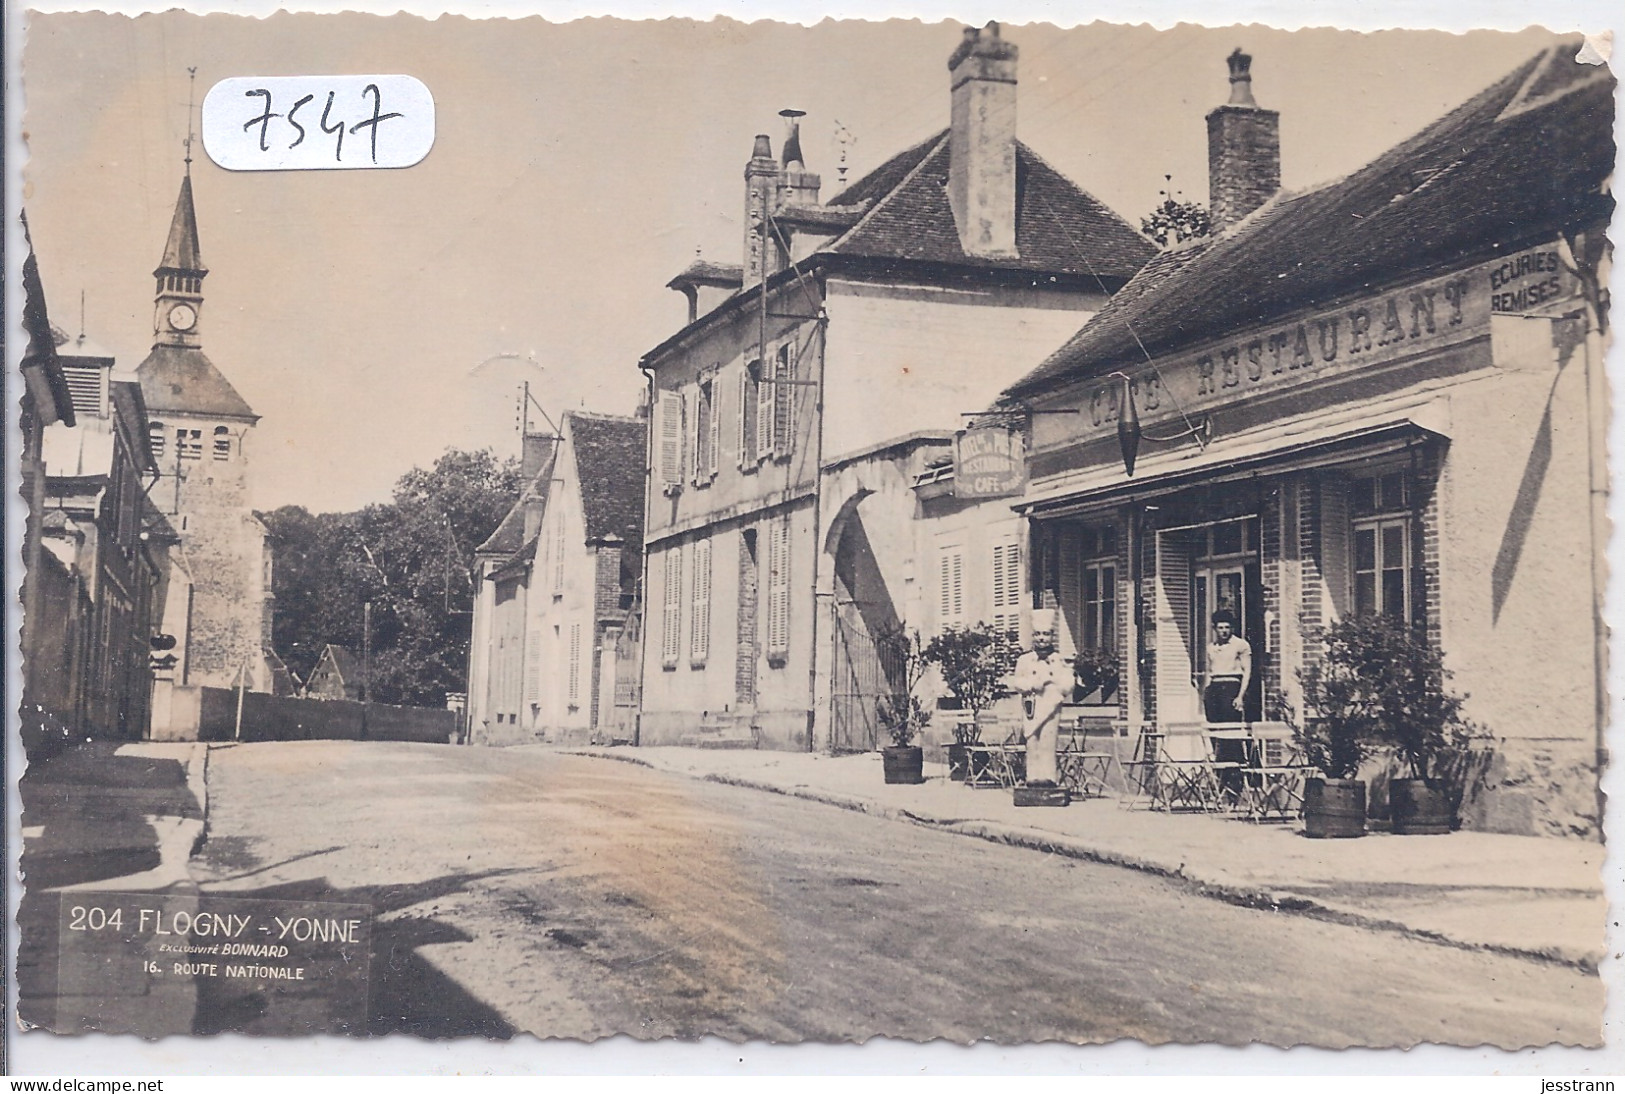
(1043, 679)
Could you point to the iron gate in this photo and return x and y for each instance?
(864, 671)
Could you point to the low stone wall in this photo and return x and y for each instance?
(285, 718)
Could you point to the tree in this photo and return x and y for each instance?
(412, 559)
(1175, 221)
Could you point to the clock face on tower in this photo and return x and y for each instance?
(182, 317)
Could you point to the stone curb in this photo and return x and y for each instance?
(1278, 900)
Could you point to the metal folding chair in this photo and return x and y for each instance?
(1001, 765)
(1273, 777)
(1087, 769)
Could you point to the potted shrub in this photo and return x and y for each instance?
(901, 713)
(1340, 692)
(902, 716)
(972, 662)
(1096, 669)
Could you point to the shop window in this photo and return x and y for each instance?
(1382, 567)
(1099, 605)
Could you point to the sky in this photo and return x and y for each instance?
(374, 318)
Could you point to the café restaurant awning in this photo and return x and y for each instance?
(1361, 429)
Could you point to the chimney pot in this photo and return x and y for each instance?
(1241, 78)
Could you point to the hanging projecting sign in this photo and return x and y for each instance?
(989, 463)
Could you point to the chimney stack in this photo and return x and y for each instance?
(1243, 150)
(797, 186)
(761, 186)
(534, 450)
(982, 143)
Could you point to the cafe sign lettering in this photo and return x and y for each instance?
(1367, 332)
(989, 463)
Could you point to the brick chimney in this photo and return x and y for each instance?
(761, 186)
(535, 448)
(1243, 150)
(982, 143)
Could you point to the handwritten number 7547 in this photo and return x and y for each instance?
(264, 118)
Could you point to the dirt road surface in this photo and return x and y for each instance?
(525, 890)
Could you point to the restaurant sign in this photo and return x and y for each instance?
(1367, 332)
(989, 463)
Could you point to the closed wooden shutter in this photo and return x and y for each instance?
(713, 438)
(575, 662)
(747, 419)
(951, 588)
(671, 439)
(699, 647)
(1007, 588)
(784, 406)
(764, 410)
(533, 668)
(672, 608)
(778, 588)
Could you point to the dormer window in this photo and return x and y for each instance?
(222, 443)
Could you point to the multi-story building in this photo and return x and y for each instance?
(1381, 395)
(555, 626)
(792, 410)
(201, 437)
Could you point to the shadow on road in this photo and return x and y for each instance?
(405, 993)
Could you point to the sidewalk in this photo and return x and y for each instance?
(105, 815)
(1515, 894)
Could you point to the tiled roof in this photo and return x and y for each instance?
(1522, 159)
(1059, 227)
(610, 456)
(175, 379)
(517, 562)
(509, 535)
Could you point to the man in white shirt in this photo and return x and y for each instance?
(1229, 670)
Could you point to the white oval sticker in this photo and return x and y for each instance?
(316, 123)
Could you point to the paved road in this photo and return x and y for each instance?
(523, 890)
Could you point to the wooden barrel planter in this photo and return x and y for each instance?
(958, 762)
(1418, 809)
(1333, 808)
(903, 766)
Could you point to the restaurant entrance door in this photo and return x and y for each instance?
(1203, 569)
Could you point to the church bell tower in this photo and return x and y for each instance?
(179, 308)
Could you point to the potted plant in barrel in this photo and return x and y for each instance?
(1340, 691)
(973, 662)
(1420, 717)
(901, 713)
(1095, 669)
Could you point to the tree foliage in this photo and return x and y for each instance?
(1175, 220)
(412, 559)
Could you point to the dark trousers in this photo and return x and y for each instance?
(1218, 700)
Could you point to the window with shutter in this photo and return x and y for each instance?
(575, 663)
(713, 433)
(189, 444)
(533, 668)
(557, 551)
(222, 443)
(672, 608)
(1007, 588)
(764, 412)
(747, 419)
(778, 590)
(700, 615)
(155, 436)
(783, 401)
(671, 440)
(951, 588)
